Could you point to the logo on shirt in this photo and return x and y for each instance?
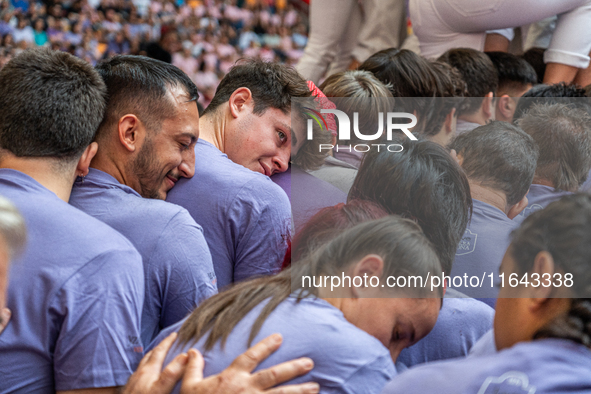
(135, 342)
(512, 382)
(529, 210)
(467, 244)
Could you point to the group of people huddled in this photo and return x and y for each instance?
(149, 248)
(201, 37)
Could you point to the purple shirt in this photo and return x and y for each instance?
(539, 197)
(461, 323)
(246, 218)
(75, 294)
(482, 248)
(178, 272)
(346, 359)
(551, 366)
(309, 195)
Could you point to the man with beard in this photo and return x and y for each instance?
(146, 143)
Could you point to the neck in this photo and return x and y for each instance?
(543, 182)
(488, 196)
(476, 117)
(212, 127)
(45, 171)
(103, 162)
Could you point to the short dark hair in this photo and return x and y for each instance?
(515, 74)
(559, 93)
(138, 85)
(51, 104)
(272, 85)
(501, 156)
(478, 72)
(424, 183)
(535, 57)
(562, 229)
(563, 135)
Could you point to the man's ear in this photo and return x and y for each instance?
(450, 124)
(85, 159)
(517, 208)
(488, 106)
(131, 132)
(505, 108)
(545, 268)
(239, 100)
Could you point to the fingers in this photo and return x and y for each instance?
(4, 318)
(172, 373)
(193, 371)
(250, 359)
(304, 388)
(283, 372)
(159, 352)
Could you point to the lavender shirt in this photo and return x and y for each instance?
(76, 295)
(543, 366)
(246, 218)
(178, 271)
(539, 197)
(346, 359)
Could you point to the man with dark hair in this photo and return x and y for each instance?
(559, 93)
(516, 76)
(499, 160)
(424, 183)
(246, 136)
(146, 143)
(563, 135)
(482, 82)
(77, 291)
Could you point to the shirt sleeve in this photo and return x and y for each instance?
(187, 273)
(99, 312)
(370, 378)
(259, 228)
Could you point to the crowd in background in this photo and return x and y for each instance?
(204, 38)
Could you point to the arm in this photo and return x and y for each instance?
(237, 378)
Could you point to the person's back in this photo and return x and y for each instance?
(178, 272)
(563, 135)
(499, 160)
(346, 359)
(66, 300)
(156, 103)
(246, 129)
(549, 366)
(77, 290)
(236, 208)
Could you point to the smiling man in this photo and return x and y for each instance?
(246, 136)
(146, 143)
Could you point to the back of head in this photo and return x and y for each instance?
(138, 85)
(478, 73)
(423, 183)
(563, 229)
(362, 93)
(515, 74)
(51, 104)
(404, 72)
(329, 222)
(272, 85)
(535, 57)
(563, 135)
(552, 94)
(499, 156)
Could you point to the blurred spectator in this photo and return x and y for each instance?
(202, 37)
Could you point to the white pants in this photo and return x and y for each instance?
(444, 24)
(340, 30)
